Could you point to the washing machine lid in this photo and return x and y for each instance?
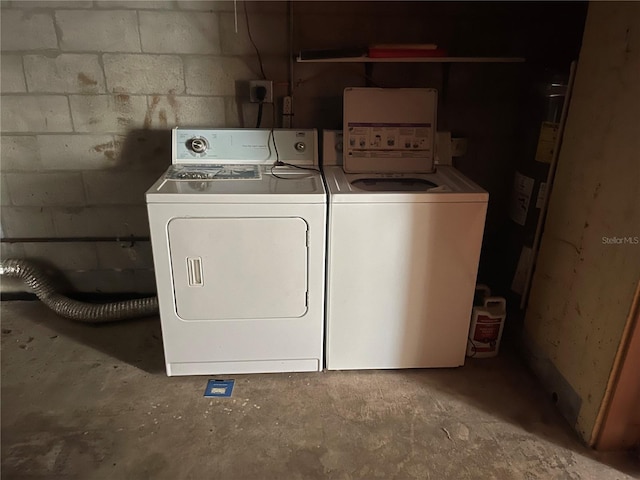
(450, 186)
(260, 185)
(389, 130)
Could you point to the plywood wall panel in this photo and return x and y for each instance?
(589, 262)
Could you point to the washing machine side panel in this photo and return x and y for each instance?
(400, 283)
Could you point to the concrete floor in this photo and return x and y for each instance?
(93, 402)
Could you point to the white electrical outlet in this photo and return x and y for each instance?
(459, 146)
(253, 86)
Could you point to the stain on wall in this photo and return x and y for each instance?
(90, 91)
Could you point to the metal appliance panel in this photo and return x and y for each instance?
(239, 268)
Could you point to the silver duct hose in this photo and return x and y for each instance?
(39, 282)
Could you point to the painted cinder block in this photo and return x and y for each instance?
(52, 4)
(171, 111)
(135, 5)
(253, 8)
(179, 32)
(269, 31)
(27, 222)
(25, 30)
(19, 153)
(148, 150)
(12, 74)
(100, 281)
(117, 187)
(131, 74)
(257, 7)
(35, 113)
(107, 113)
(216, 75)
(202, 111)
(45, 189)
(245, 114)
(124, 255)
(145, 281)
(65, 73)
(101, 221)
(209, 5)
(64, 255)
(73, 221)
(78, 152)
(122, 219)
(233, 113)
(11, 250)
(99, 31)
(4, 192)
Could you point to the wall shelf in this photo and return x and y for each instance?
(445, 63)
(415, 60)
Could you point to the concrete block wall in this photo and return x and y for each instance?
(90, 91)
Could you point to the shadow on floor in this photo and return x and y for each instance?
(487, 391)
(135, 342)
(503, 389)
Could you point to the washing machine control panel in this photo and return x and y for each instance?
(255, 146)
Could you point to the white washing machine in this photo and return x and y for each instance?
(403, 245)
(239, 252)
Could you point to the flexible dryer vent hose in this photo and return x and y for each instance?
(39, 282)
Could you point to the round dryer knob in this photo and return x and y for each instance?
(198, 144)
(300, 146)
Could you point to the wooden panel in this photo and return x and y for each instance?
(587, 271)
(620, 428)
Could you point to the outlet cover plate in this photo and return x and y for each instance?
(267, 84)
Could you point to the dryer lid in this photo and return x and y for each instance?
(284, 185)
(389, 130)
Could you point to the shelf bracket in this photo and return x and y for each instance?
(368, 72)
(444, 90)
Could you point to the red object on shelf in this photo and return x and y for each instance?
(406, 52)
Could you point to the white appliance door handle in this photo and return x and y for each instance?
(194, 272)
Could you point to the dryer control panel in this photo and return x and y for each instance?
(236, 146)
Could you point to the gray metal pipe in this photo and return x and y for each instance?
(40, 283)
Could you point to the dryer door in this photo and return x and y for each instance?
(235, 268)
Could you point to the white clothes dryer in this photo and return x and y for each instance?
(239, 252)
(403, 247)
